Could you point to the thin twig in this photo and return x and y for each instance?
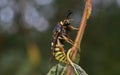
(86, 14)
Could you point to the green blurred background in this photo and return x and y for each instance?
(26, 31)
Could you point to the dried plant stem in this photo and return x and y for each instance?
(86, 14)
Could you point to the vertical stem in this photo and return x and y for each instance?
(86, 14)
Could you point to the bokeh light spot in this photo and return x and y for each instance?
(118, 2)
(6, 15)
(34, 19)
(43, 2)
(3, 3)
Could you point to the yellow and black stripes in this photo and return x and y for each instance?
(60, 55)
(58, 51)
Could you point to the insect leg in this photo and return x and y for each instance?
(73, 28)
(67, 39)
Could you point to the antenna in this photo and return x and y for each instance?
(69, 13)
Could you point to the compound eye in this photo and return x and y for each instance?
(66, 22)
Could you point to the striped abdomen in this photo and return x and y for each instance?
(59, 54)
